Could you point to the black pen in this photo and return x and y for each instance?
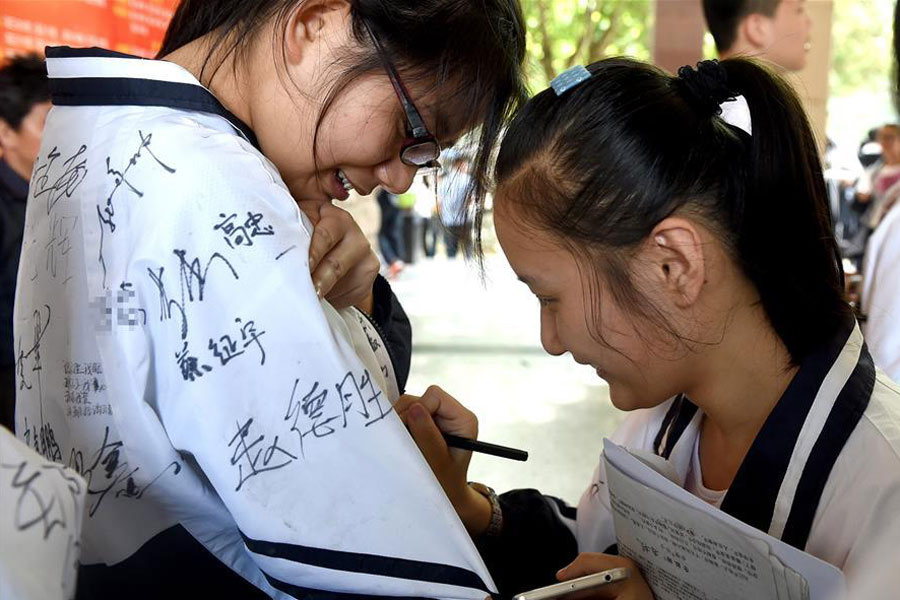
(454, 441)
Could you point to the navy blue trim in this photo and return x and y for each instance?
(752, 495)
(303, 593)
(370, 564)
(171, 564)
(128, 91)
(68, 52)
(667, 420)
(676, 422)
(848, 409)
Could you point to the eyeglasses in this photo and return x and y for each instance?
(423, 149)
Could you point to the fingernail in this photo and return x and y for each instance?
(318, 285)
(416, 413)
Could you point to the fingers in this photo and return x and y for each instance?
(591, 562)
(403, 404)
(588, 563)
(427, 437)
(447, 412)
(331, 225)
(342, 263)
(355, 287)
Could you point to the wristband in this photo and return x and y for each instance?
(496, 523)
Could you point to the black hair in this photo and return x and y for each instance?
(470, 51)
(23, 83)
(724, 16)
(600, 166)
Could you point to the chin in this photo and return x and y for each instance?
(628, 400)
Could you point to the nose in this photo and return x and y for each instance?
(549, 336)
(396, 176)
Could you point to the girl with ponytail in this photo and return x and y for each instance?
(676, 232)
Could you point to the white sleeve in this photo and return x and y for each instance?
(881, 296)
(595, 530)
(321, 478)
(41, 510)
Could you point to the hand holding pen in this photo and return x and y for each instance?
(428, 419)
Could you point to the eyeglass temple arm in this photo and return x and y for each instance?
(412, 114)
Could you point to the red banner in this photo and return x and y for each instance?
(131, 26)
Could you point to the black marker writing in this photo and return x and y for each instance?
(107, 472)
(39, 505)
(251, 463)
(107, 212)
(242, 234)
(64, 185)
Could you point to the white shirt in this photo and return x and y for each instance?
(41, 509)
(853, 518)
(171, 348)
(881, 293)
(693, 482)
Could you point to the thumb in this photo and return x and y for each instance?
(426, 435)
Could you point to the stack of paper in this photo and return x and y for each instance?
(689, 550)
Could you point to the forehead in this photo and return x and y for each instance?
(535, 255)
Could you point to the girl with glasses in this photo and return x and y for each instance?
(677, 235)
(200, 332)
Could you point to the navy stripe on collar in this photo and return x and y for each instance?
(676, 422)
(848, 409)
(754, 491)
(67, 52)
(127, 91)
(753, 494)
(372, 564)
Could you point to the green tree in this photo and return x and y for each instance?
(562, 33)
(861, 46)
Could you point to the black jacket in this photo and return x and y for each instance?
(13, 193)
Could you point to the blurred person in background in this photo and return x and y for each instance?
(876, 188)
(24, 102)
(881, 274)
(775, 30)
(390, 234)
(452, 186)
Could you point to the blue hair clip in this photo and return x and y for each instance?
(569, 79)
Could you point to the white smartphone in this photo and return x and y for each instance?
(574, 586)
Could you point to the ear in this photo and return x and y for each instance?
(676, 257)
(758, 30)
(311, 22)
(7, 133)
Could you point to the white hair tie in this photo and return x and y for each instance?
(736, 113)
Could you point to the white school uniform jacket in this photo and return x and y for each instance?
(881, 293)
(822, 475)
(171, 349)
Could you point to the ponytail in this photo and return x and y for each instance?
(785, 240)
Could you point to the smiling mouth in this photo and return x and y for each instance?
(344, 181)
